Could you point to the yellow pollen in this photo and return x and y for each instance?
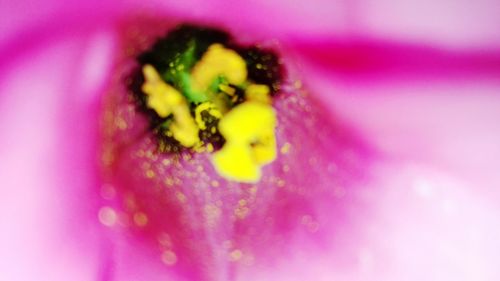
(216, 62)
(161, 96)
(210, 148)
(258, 92)
(140, 219)
(250, 141)
(285, 148)
(235, 255)
(210, 108)
(166, 100)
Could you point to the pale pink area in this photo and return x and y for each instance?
(48, 161)
(435, 199)
(451, 23)
(445, 115)
(458, 24)
(426, 224)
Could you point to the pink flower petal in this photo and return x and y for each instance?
(391, 228)
(48, 149)
(444, 23)
(217, 229)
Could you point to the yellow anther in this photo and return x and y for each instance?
(264, 150)
(185, 130)
(199, 147)
(210, 147)
(210, 108)
(166, 100)
(258, 93)
(250, 141)
(161, 96)
(218, 61)
(227, 89)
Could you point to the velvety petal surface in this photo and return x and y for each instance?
(471, 24)
(437, 196)
(48, 147)
(203, 227)
(394, 178)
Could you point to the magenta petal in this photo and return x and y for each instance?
(205, 228)
(432, 207)
(437, 129)
(364, 60)
(49, 125)
(442, 23)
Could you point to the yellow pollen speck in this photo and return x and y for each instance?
(166, 100)
(121, 124)
(258, 93)
(140, 219)
(169, 257)
(169, 181)
(250, 141)
(241, 212)
(285, 148)
(181, 197)
(218, 61)
(236, 255)
(211, 211)
(150, 174)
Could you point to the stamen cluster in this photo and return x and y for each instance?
(203, 93)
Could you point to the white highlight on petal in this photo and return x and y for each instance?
(96, 65)
(37, 239)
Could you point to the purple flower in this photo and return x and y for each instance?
(388, 147)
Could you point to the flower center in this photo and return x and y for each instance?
(206, 94)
